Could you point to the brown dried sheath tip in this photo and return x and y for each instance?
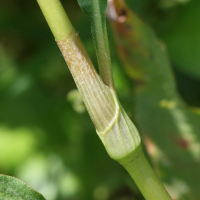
(98, 98)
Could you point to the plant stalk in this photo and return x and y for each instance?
(100, 100)
(94, 9)
(56, 18)
(118, 134)
(145, 178)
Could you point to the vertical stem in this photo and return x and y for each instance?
(102, 45)
(98, 98)
(145, 178)
(56, 17)
(96, 11)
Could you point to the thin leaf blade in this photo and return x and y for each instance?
(14, 189)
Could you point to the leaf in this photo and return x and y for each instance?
(14, 189)
(96, 12)
(166, 123)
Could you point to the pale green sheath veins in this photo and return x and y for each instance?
(121, 136)
(115, 129)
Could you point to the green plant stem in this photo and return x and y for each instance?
(98, 98)
(96, 11)
(104, 61)
(56, 17)
(117, 132)
(145, 178)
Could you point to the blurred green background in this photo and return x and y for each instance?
(46, 136)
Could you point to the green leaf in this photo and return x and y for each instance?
(14, 189)
(174, 129)
(96, 12)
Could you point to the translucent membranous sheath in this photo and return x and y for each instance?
(113, 126)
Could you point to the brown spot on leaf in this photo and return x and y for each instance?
(123, 51)
(121, 16)
(123, 29)
(182, 143)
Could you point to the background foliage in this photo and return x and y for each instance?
(46, 137)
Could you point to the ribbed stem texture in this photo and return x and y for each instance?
(118, 134)
(121, 137)
(97, 96)
(140, 170)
